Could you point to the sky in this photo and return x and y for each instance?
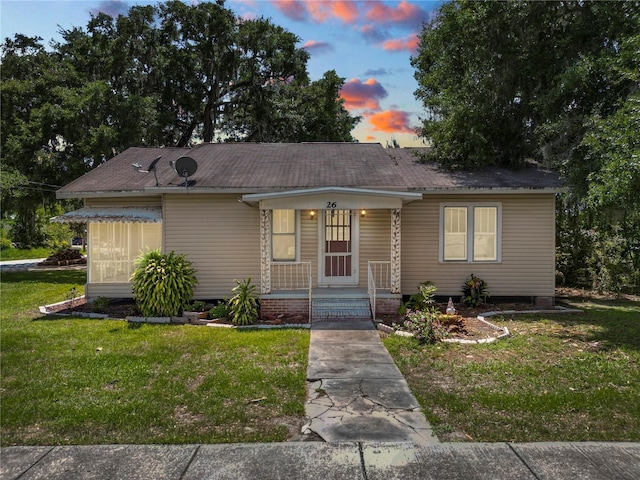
(369, 43)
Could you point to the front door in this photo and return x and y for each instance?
(339, 262)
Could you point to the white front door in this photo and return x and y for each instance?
(339, 248)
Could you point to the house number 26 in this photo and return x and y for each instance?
(332, 205)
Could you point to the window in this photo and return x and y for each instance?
(283, 238)
(114, 247)
(470, 233)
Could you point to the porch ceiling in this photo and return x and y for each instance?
(332, 197)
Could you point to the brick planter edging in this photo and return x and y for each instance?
(54, 308)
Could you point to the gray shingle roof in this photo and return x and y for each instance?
(258, 167)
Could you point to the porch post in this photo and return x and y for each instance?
(395, 250)
(265, 251)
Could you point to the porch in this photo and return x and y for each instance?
(292, 293)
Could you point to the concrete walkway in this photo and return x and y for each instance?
(356, 392)
(325, 461)
(19, 265)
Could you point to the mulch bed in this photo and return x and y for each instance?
(123, 308)
(466, 325)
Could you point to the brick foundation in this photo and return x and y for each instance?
(387, 306)
(289, 307)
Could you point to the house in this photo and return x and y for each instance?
(313, 220)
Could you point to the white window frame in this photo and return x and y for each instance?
(471, 206)
(296, 236)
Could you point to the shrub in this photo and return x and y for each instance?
(221, 310)
(475, 291)
(195, 306)
(243, 305)
(424, 325)
(100, 304)
(423, 300)
(5, 241)
(163, 283)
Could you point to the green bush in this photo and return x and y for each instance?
(243, 305)
(423, 300)
(424, 325)
(221, 310)
(196, 306)
(100, 304)
(475, 291)
(163, 284)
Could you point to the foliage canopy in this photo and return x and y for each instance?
(171, 74)
(503, 83)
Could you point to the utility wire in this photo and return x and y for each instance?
(45, 184)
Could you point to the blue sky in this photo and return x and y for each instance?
(369, 43)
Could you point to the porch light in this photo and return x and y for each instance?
(363, 213)
(312, 214)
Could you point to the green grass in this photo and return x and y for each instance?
(24, 254)
(80, 381)
(557, 378)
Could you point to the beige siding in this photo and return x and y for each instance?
(528, 247)
(309, 242)
(220, 235)
(109, 290)
(375, 240)
(124, 202)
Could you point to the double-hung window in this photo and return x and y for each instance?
(283, 236)
(470, 232)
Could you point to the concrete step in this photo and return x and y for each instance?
(341, 308)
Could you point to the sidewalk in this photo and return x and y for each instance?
(19, 265)
(355, 391)
(325, 461)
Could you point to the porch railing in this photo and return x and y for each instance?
(292, 276)
(379, 278)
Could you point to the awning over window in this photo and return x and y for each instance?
(111, 215)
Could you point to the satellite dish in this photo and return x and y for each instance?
(152, 168)
(186, 167)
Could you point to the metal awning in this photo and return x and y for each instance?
(111, 215)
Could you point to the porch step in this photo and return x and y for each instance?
(324, 308)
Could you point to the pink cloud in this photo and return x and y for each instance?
(405, 13)
(362, 95)
(293, 9)
(400, 44)
(317, 47)
(319, 10)
(345, 10)
(390, 121)
(372, 33)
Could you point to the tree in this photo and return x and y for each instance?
(505, 81)
(166, 75)
(296, 111)
(557, 82)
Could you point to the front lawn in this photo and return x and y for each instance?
(569, 377)
(80, 381)
(24, 254)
